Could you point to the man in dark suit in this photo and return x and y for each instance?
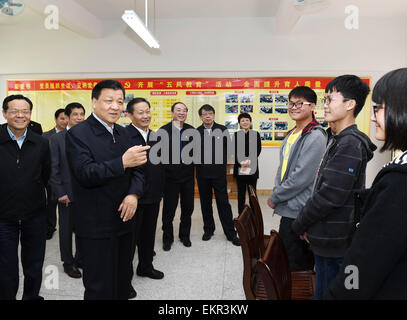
(60, 124)
(138, 110)
(62, 186)
(211, 174)
(25, 166)
(179, 180)
(106, 186)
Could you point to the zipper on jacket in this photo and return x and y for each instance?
(323, 162)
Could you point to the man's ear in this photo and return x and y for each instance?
(351, 105)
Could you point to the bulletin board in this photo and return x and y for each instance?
(265, 99)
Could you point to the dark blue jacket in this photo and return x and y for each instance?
(24, 174)
(99, 181)
(153, 173)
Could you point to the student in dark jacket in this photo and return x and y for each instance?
(375, 265)
(179, 178)
(326, 221)
(211, 175)
(25, 167)
(62, 186)
(106, 186)
(246, 168)
(138, 110)
(60, 124)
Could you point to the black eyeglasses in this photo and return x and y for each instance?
(376, 108)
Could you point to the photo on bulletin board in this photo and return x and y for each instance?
(265, 99)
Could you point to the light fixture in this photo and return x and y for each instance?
(134, 22)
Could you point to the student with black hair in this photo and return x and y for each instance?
(375, 265)
(246, 168)
(300, 154)
(326, 220)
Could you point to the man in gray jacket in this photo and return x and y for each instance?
(300, 154)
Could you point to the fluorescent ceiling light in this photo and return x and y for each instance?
(134, 22)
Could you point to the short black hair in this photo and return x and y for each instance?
(351, 87)
(130, 105)
(58, 112)
(173, 106)
(391, 90)
(15, 97)
(107, 84)
(206, 107)
(244, 115)
(304, 92)
(71, 106)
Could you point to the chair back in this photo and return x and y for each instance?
(254, 202)
(247, 229)
(273, 270)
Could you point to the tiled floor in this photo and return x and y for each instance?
(207, 270)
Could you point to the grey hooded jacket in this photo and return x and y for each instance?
(292, 192)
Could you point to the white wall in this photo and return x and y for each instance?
(209, 48)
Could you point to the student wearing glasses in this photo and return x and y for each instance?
(300, 154)
(326, 220)
(375, 265)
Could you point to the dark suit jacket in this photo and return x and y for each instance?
(178, 172)
(49, 134)
(99, 182)
(24, 174)
(213, 170)
(60, 174)
(153, 174)
(36, 127)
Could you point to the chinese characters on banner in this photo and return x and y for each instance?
(265, 99)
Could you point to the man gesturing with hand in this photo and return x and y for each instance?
(107, 182)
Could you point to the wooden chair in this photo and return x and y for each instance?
(247, 229)
(274, 275)
(254, 202)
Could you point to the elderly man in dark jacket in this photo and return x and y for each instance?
(25, 167)
(106, 188)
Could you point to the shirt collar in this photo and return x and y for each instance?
(143, 133)
(12, 135)
(104, 123)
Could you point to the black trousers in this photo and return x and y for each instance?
(107, 267)
(66, 231)
(242, 186)
(205, 186)
(172, 191)
(144, 236)
(51, 210)
(300, 256)
(31, 233)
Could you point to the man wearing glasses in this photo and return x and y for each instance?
(327, 219)
(300, 154)
(25, 166)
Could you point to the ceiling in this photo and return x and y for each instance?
(172, 9)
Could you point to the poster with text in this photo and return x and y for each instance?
(265, 99)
